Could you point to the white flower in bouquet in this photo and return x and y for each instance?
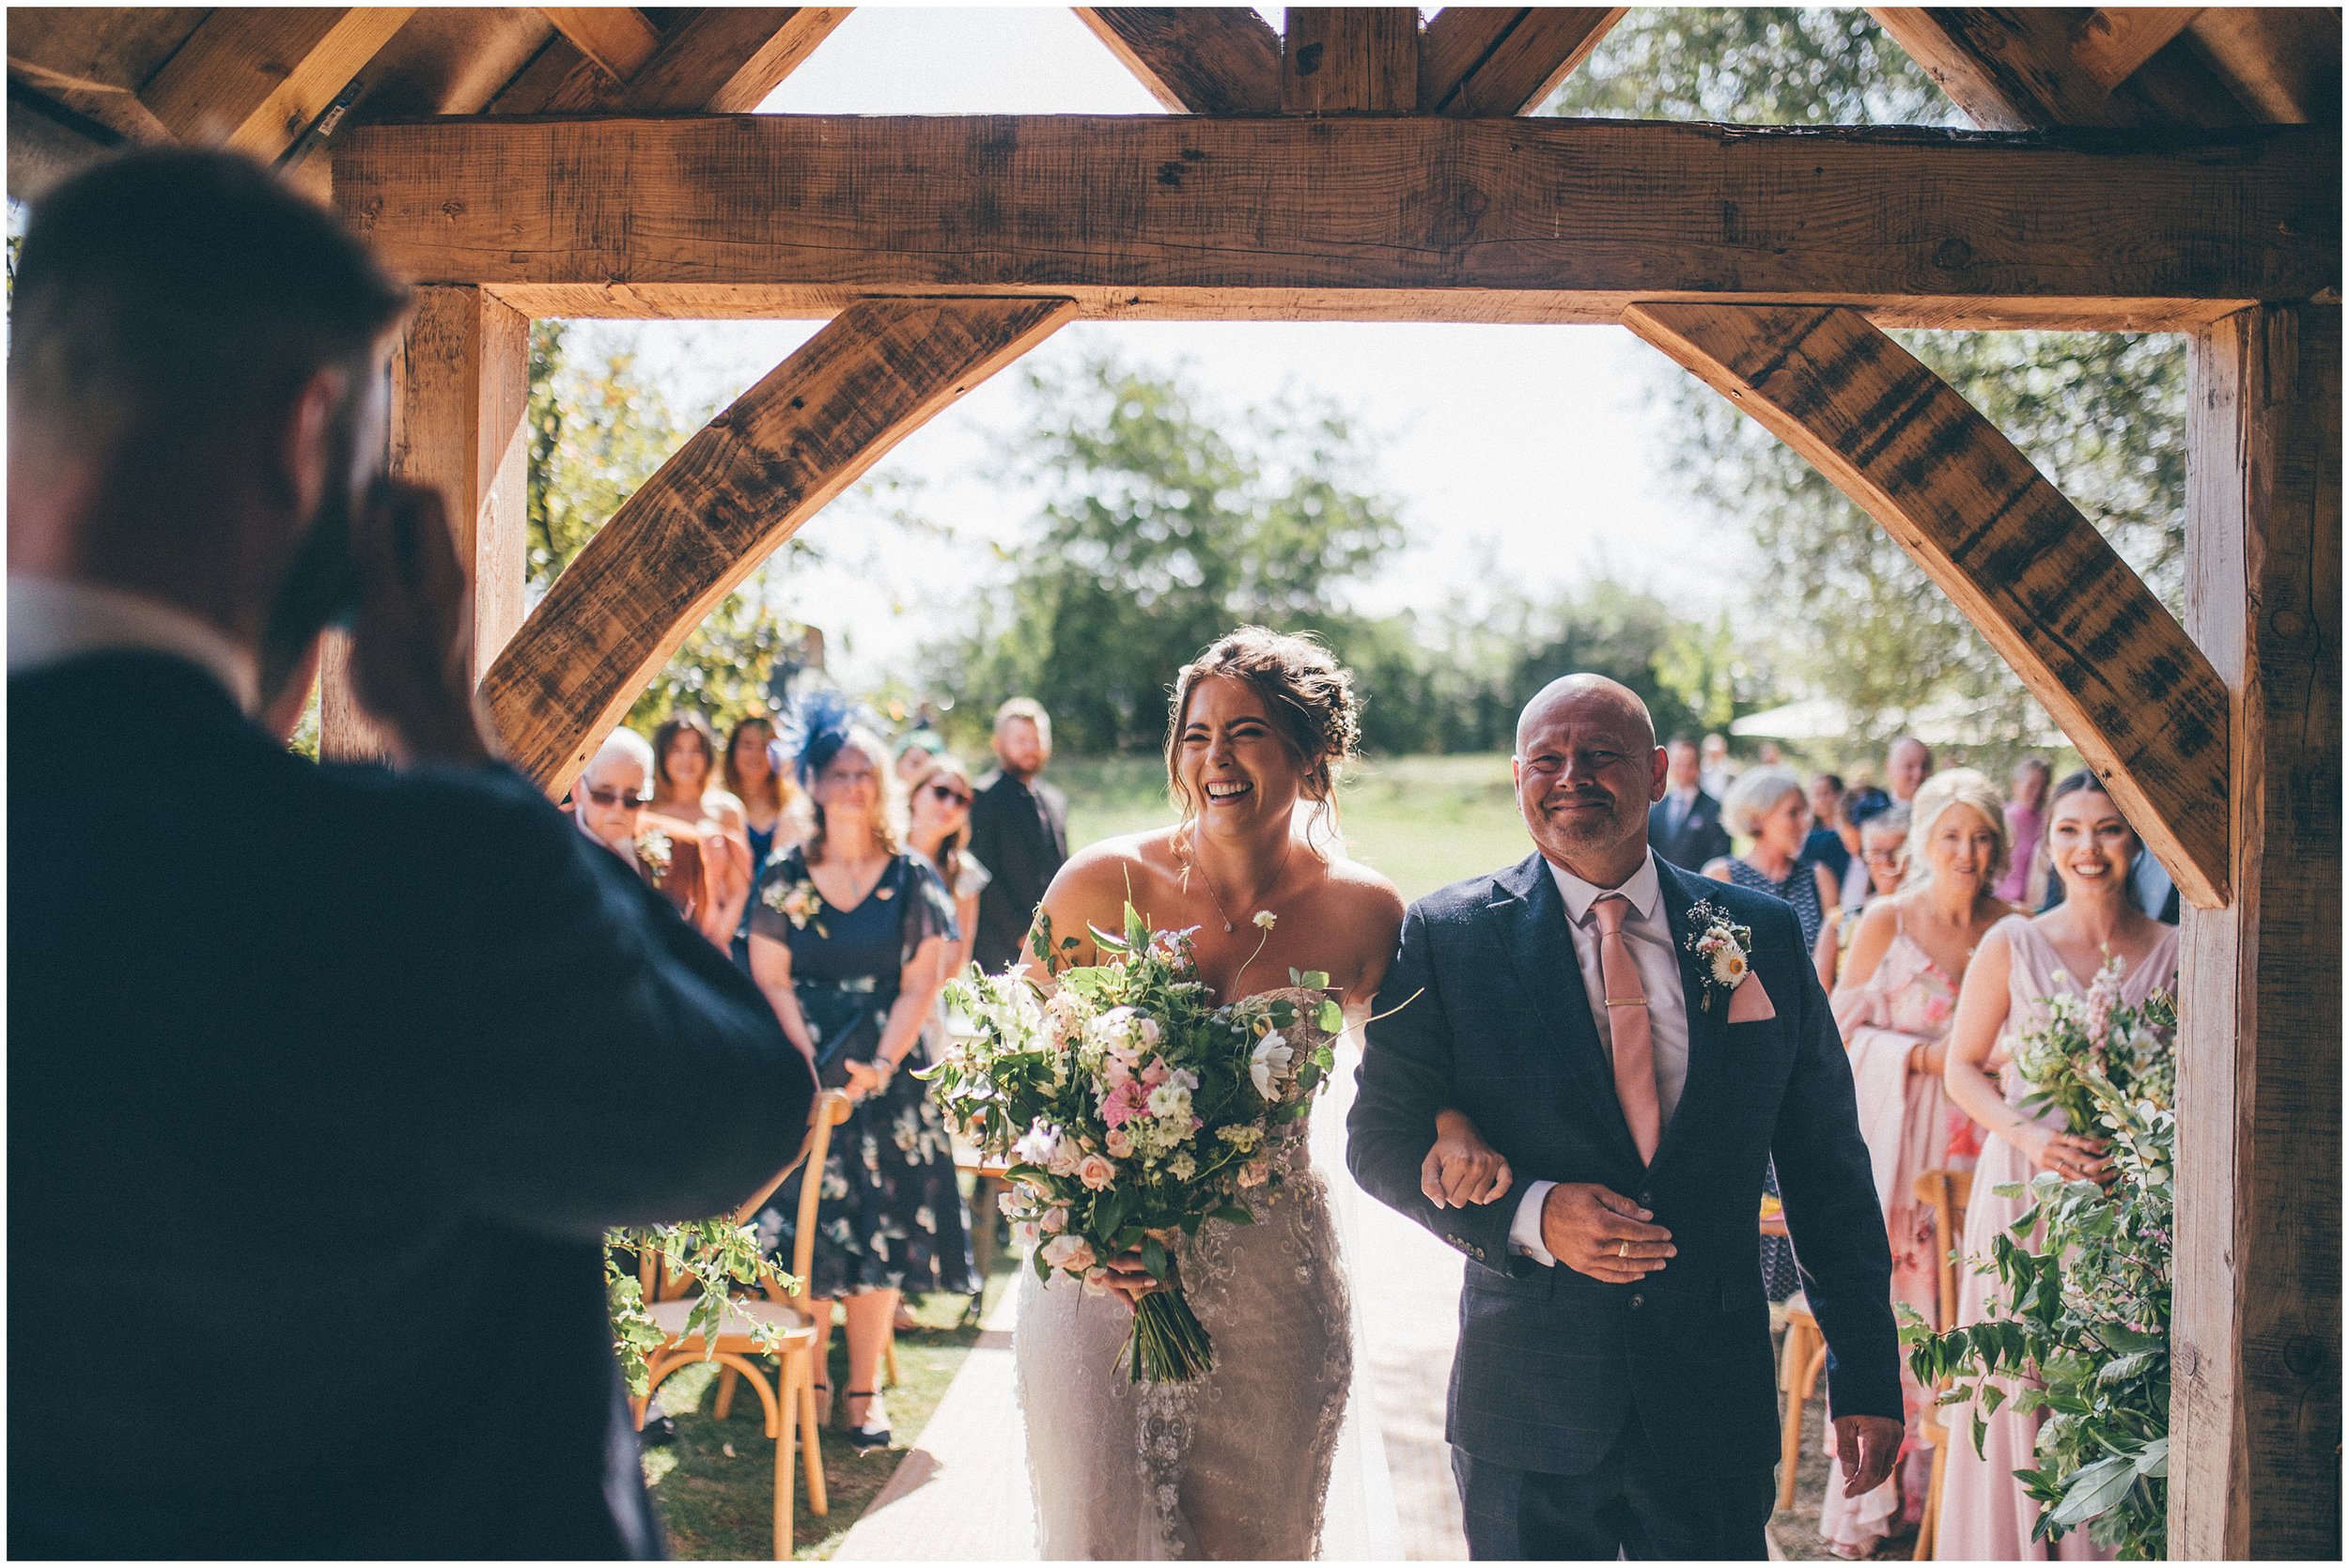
(1055, 1220)
(1023, 1236)
(1041, 1146)
(1008, 1204)
(1171, 1102)
(1183, 1167)
(1242, 1138)
(1071, 1253)
(1269, 1067)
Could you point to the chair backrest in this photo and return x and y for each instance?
(831, 1108)
(1947, 1193)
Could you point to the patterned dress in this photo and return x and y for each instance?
(889, 1215)
(1801, 888)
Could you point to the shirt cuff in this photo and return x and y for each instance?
(1525, 1231)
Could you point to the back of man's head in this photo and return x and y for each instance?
(166, 300)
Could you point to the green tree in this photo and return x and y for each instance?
(598, 430)
(2102, 415)
(1157, 532)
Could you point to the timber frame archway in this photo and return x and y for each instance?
(2172, 169)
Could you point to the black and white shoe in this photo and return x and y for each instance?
(871, 1434)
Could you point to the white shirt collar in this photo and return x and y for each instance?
(51, 619)
(1641, 889)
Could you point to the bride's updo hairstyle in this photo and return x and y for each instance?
(1309, 697)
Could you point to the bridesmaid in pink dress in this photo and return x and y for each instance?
(1985, 1512)
(1894, 1002)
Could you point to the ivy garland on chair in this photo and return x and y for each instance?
(718, 1254)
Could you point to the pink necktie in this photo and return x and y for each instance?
(1628, 1026)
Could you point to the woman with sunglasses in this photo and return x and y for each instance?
(608, 803)
(938, 831)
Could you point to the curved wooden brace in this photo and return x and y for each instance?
(729, 498)
(2102, 655)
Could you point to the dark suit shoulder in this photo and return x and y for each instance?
(1469, 898)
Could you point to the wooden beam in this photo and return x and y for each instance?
(93, 61)
(1403, 218)
(2112, 41)
(254, 78)
(616, 37)
(721, 59)
(2015, 69)
(1504, 59)
(2255, 1339)
(1350, 59)
(728, 499)
(2108, 663)
(48, 141)
(1195, 59)
(459, 396)
(2284, 61)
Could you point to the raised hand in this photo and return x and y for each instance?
(1461, 1168)
(411, 649)
(1603, 1234)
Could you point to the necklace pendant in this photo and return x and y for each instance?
(1227, 927)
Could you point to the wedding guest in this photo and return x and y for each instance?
(849, 938)
(1907, 764)
(1884, 860)
(1985, 1512)
(1894, 1004)
(686, 797)
(914, 754)
(608, 805)
(1685, 827)
(938, 831)
(1770, 756)
(1825, 844)
(356, 1088)
(1019, 832)
(765, 798)
(1717, 772)
(2025, 882)
(1767, 805)
(1857, 805)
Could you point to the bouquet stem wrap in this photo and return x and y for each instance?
(1169, 1344)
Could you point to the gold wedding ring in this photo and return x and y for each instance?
(1623, 1249)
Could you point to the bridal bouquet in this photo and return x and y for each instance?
(2095, 1054)
(1130, 1108)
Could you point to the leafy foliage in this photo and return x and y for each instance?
(2102, 415)
(716, 1255)
(2084, 1332)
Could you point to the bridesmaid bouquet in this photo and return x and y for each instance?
(2099, 1059)
(1130, 1108)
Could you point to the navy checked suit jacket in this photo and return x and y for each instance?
(1483, 1009)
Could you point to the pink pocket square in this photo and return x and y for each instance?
(1750, 1003)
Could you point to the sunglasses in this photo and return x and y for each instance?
(612, 799)
(949, 793)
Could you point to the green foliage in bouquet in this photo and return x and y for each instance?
(1130, 1108)
(2085, 1330)
(716, 1253)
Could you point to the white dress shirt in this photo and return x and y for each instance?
(51, 619)
(1648, 935)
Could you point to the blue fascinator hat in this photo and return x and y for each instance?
(819, 726)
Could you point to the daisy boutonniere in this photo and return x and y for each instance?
(797, 902)
(1722, 944)
(655, 851)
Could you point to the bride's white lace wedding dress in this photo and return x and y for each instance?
(1236, 1465)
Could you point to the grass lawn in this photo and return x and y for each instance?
(713, 1487)
(1425, 821)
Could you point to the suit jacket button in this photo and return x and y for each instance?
(1637, 1301)
(1647, 1200)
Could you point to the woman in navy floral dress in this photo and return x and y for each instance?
(850, 937)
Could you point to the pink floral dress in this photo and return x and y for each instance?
(1908, 1122)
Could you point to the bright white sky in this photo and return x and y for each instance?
(1532, 456)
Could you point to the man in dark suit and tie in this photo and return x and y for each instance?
(1685, 827)
(1638, 1043)
(337, 1072)
(1019, 832)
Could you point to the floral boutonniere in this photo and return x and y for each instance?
(655, 851)
(1721, 943)
(797, 902)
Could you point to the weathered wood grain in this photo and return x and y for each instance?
(1349, 59)
(723, 59)
(1420, 216)
(2110, 666)
(617, 38)
(93, 60)
(2014, 69)
(1497, 60)
(2282, 60)
(2112, 41)
(729, 498)
(254, 78)
(1195, 59)
(2255, 1404)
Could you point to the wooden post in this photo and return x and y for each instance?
(2255, 1406)
(1350, 59)
(461, 388)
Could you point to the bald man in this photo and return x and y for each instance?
(1613, 1391)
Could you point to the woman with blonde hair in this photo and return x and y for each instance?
(1894, 1002)
(850, 939)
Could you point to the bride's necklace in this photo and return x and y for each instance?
(1217, 898)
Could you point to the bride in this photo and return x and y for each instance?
(1237, 1464)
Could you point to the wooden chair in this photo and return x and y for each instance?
(1799, 1365)
(1947, 1193)
(789, 1406)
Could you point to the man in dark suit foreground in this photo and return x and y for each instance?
(1613, 1389)
(324, 1082)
